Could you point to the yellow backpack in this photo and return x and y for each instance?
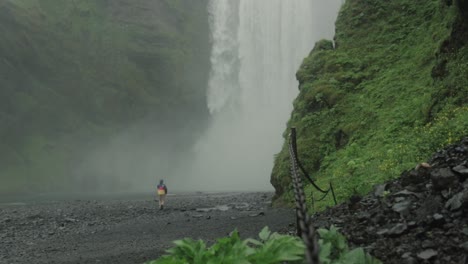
(161, 190)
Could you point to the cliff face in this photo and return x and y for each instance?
(75, 73)
(391, 89)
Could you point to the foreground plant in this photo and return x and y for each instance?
(270, 248)
(335, 250)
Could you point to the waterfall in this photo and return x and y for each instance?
(258, 45)
(223, 83)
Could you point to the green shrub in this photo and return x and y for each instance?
(335, 250)
(270, 248)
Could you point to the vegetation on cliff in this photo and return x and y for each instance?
(390, 90)
(73, 73)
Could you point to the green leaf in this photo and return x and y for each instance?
(355, 256)
(265, 233)
(325, 252)
(273, 248)
(279, 248)
(253, 241)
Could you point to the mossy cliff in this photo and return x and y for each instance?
(391, 89)
(74, 73)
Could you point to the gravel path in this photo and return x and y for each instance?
(129, 231)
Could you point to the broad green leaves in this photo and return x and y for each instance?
(271, 248)
(335, 250)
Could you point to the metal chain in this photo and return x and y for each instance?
(304, 172)
(305, 228)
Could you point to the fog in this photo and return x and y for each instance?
(257, 46)
(135, 159)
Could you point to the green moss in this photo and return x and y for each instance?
(392, 91)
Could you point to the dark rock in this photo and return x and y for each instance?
(443, 179)
(382, 232)
(465, 231)
(405, 192)
(34, 216)
(411, 178)
(456, 214)
(409, 260)
(399, 250)
(400, 199)
(427, 244)
(370, 229)
(358, 240)
(401, 207)
(448, 226)
(337, 221)
(257, 214)
(460, 149)
(379, 190)
(446, 193)
(438, 219)
(464, 246)
(397, 230)
(354, 200)
(204, 210)
(427, 254)
(406, 255)
(462, 171)
(455, 202)
(363, 216)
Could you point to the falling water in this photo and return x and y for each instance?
(257, 47)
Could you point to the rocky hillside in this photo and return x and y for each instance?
(386, 93)
(73, 74)
(420, 217)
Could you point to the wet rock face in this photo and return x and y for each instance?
(421, 217)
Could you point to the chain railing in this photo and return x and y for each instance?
(304, 225)
(306, 175)
(305, 230)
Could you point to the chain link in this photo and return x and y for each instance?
(305, 228)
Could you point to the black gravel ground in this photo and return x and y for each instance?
(129, 231)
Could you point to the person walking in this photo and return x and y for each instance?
(162, 192)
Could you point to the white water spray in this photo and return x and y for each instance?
(258, 46)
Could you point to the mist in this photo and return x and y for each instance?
(136, 158)
(226, 144)
(257, 48)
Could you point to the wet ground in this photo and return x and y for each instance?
(129, 231)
